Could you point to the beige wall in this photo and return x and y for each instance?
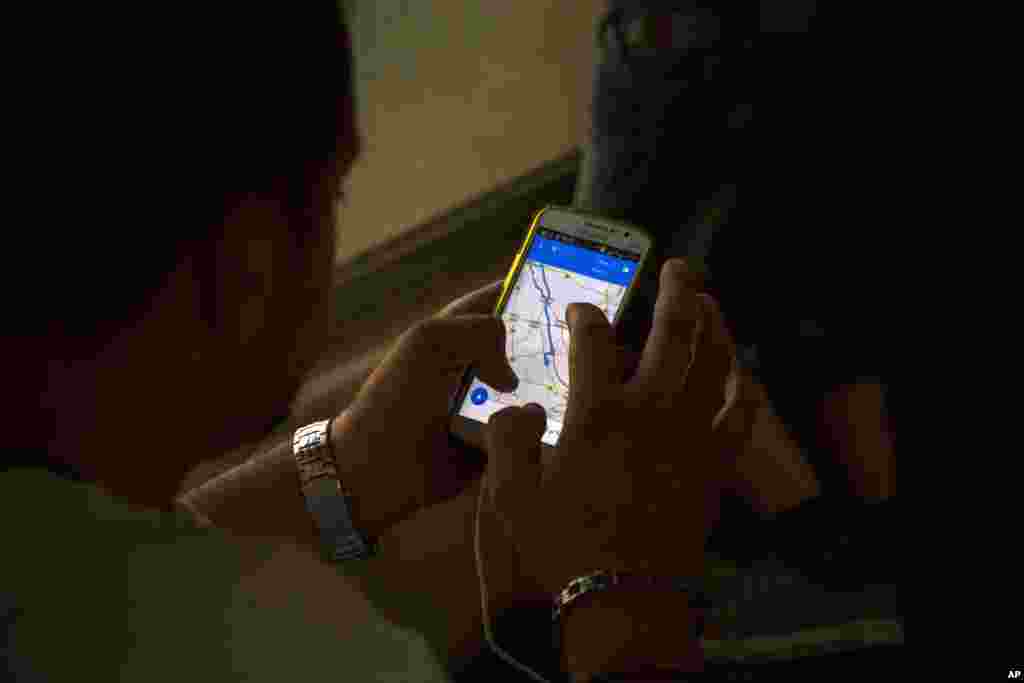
(456, 96)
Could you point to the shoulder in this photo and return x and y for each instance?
(114, 583)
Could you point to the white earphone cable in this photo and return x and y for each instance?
(483, 595)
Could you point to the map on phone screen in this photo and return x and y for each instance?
(558, 270)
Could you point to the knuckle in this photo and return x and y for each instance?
(434, 336)
(714, 318)
(710, 304)
(429, 342)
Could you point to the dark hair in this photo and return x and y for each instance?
(161, 121)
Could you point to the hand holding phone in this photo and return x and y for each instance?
(567, 257)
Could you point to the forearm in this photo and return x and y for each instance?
(259, 498)
(623, 631)
(263, 498)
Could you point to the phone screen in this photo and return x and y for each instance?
(558, 269)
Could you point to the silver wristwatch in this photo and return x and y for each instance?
(326, 498)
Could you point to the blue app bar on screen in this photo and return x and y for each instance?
(582, 260)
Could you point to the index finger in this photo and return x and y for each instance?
(677, 313)
(479, 301)
(595, 361)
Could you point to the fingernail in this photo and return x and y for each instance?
(571, 311)
(535, 408)
(678, 268)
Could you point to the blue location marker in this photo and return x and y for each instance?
(478, 396)
(545, 360)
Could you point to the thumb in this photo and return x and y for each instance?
(512, 438)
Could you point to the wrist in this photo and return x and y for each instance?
(372, 512)
(260, 498)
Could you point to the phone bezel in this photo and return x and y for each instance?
(571, 222)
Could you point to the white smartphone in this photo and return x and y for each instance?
(568, 256)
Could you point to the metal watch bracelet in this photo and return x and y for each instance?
(327, 500)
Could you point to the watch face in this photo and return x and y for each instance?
(312, 435)
(311, 440)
